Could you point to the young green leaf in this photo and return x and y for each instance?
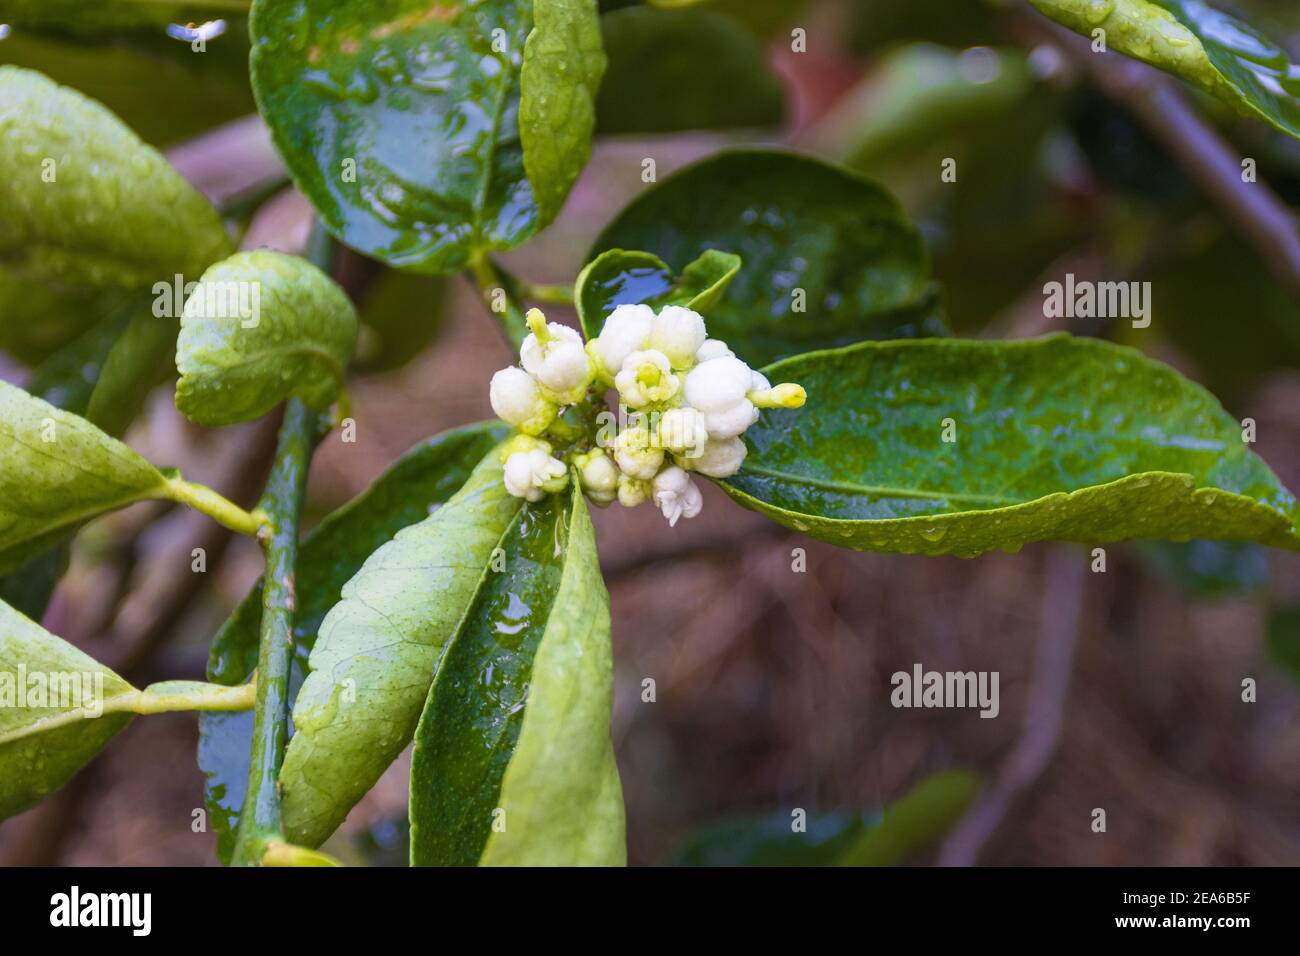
(58, 707)
(560, 800)
(413, 486)
(1210, 49)
(58, 471)
(918, 817)
(617, 277)
(347, 88)
(378, 649)
(86, 202)
(563, 64)
(958, 447)
(261, 327)
(542, 609)
(829, 258)
(675, 70)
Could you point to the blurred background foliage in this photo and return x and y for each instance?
(773, 688)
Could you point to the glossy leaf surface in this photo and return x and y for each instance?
(378, 649)
(619, 277)
(413, 486)
(829, 258)
(86, 201)
(261, 327)
(1052, 439)
(1205, 46)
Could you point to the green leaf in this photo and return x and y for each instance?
(513, 650)
(58, 707)
(1190, 39)
(37, 319)
(560, 797)
(38, 763)
(262, 327)
(59, 470)
(1053, 439)
(770, 840)
(563, 63)
(917, 818)
(413, 486)
(798, 224)
(86, 201)
(618, 277)
(676, 70)
(400, 315)
(404, 121)
(378, 649)
(1209, 569)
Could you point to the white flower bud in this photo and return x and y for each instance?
(732, 420)
(758, 382)
(645, 378)
(555, 356)
(678, 333)
(518, 401)
(531, 474)
(636, 455)
(625, 331)
(676, 495)
(718, 384)
(598, 475)
(721, 458)
(711, 349)
(683, 431)
(632, 491)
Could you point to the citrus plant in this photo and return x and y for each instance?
(762, 319)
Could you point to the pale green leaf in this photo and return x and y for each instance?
(957, 447)
(259, 328)
(86, 202)
(563, 63)
(378, 648)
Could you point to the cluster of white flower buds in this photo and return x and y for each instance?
(688, 399)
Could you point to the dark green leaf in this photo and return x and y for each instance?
(37, 319)
(76, 16)
(86, 202)
(1192, 40)
(400, 315)
(516, 647)
(378, 649)
(771, 840)
(261, 327)
(675, 70)
(917, 818)
(829, 258)
(415, 484)
(1209, 569)
(1284, 640)
(401, 119)
(618, 277)
(1054, 438)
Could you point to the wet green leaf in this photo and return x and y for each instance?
(1051, 439)
(58, 471)
(560, 798)
(675, 70)
(33, 661)
(513, 650)
(563, 63)
(85, 201)
(402, 120)
(413, 486)
(378, 649)
(829, 258)
(259, 328)
(618, 277)
(1192, 40)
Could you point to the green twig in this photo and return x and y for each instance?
(558, 294)
(503, 296)
(259, 821)
(219, 509)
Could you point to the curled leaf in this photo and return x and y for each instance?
(619, 277)
(259, 328)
